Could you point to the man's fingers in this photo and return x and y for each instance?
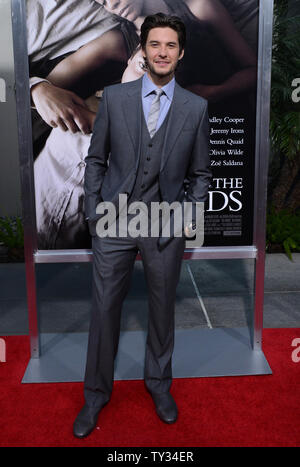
(78, 101)
(83, 125)
(75, 117)
(62, 124)
(71, 125)
(84, 120)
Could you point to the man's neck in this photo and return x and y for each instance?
(160, 81)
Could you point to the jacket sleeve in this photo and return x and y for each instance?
(97, 159)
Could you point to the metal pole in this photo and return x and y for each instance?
(26, 165)
(262, 161)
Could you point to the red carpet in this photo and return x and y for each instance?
(231, 411)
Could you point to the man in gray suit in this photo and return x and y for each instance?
(150, 143)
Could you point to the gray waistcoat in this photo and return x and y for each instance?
(146, 186)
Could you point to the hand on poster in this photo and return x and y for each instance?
(129, 9)
(62, 108)
(135, 67)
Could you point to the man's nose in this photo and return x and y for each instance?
(163, 52)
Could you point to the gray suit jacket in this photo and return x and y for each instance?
(113, 156)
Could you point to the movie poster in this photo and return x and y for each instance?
(77, 47)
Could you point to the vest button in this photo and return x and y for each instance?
(150, 145)
(145, 172)
(148, 158)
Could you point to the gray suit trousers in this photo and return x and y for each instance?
(113, 262)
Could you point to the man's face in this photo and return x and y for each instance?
(162, 52)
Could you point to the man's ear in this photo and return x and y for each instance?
(181, 54)
(144, 56)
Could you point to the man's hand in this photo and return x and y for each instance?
(61, 108)
(135, 68)
(190, 230)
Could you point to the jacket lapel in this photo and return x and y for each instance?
(132, 112)
(178, 114)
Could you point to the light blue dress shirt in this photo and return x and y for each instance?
(165, 101)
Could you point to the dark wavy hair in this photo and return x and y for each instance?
(160, 20)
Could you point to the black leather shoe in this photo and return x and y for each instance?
(165, 407)
(86, 421)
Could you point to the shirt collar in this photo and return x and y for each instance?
(148, 87)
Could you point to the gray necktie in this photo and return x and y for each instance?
(154, 112)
